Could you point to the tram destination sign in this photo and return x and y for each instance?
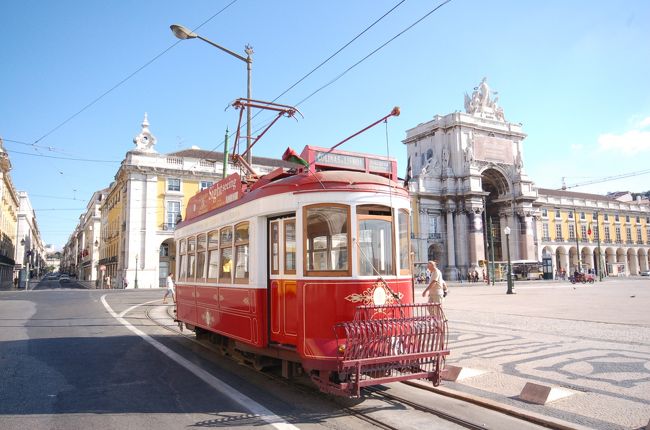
(219, 194)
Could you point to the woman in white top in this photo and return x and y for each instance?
(437, 287)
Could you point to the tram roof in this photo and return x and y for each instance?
(329, 180)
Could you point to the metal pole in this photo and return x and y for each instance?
(249, 68)
(491, 251)
(225, 155)
(600, 255)
(485, 241)
(575, 227)
(510, 283)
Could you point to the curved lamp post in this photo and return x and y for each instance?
(183, 33)
(511, 286)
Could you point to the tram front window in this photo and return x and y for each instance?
(327, 239)
(375, 246)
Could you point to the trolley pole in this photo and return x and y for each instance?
(491, 264)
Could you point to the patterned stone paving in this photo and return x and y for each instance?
(593, 340)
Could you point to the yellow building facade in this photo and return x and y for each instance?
(588, 232)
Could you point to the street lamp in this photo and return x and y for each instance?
(511, 287)
(135, 284)
(183, 34)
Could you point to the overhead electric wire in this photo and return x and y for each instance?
(105, 93)
(64, 158)
(372, 53)
(316, 68)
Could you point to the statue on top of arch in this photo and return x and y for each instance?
(482, 104)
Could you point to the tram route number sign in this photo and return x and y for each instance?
(219, 194)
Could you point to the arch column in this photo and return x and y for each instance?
(476, 239)
(450, 270)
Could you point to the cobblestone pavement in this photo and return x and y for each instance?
(593, 340)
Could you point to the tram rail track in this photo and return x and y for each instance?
(375, 392)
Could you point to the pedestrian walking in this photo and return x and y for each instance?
(437, 288)
(108, 282)
(170, 289)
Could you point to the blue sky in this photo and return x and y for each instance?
(575, 74)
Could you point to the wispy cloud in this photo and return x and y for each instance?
(629, 143)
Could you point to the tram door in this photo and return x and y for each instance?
(283, 302)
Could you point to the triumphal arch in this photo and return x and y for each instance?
(468, 183)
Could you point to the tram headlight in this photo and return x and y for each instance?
(341, 348)
(379, 296)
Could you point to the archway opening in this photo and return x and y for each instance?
(497, 201)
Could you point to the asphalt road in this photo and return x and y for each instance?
(73, 358)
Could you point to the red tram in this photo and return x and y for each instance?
(310, 269)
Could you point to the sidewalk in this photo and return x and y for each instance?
(592, 340)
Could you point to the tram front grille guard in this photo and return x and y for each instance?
(391, 343)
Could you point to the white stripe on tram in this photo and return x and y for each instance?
(220, 386)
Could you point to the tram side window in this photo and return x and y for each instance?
(375, 240)
(327, 240)
(213, 255)
(191, 258)
(200, 257)
(241, 253)
(404, 245)
(182, 275)
(290, 247)
(275, 248)
(225, 267)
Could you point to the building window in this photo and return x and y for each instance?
(173, 184)
(205, 184)
(627, 218)
(596, 230)
(433, 224)
(608, 238)
(557, 213)
(582, 215)
(606, 217)
(558, 232)
(583, 232)
(545, 235)
(545, 213)
(639, 238)
(638, 219)
(618, 234)
(616, 218)
(595, 216)
(172, 215)
(164, 250)
(570, 215)
(628, 233)
(572, 231)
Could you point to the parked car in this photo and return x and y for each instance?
(64, 278)
(645, 273)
